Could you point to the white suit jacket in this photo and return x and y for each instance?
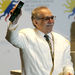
(35, 53)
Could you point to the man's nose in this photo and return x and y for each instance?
(51, 20)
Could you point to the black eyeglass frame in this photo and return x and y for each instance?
(46, 18)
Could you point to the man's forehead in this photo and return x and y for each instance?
(44, 12)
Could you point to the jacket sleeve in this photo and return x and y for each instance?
(68, 65)
(15, 37)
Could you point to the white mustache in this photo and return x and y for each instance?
(49, 24)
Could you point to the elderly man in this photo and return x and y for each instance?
(43, 52)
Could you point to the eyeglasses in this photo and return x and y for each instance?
(47, 18)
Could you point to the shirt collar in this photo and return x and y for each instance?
(42, 34)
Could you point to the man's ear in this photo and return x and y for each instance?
(35, 22)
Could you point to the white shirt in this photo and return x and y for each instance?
(50, 38)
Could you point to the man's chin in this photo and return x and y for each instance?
(49, 30)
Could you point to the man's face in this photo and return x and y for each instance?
(45, 21)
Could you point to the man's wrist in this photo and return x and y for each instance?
(12, 26)
(68, 73)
